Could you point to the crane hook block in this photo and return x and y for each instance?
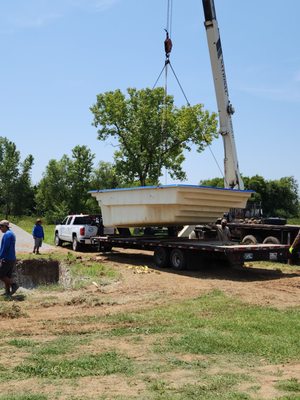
(230, 109)
(168, 44)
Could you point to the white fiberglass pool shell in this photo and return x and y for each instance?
(167, 205)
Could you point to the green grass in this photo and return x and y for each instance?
(21, 343)
(211, 388)
(106, 363)
(205, 348)
(60, 346)
(290, 385)
(84, 272)
(217, 324)
(294, 221)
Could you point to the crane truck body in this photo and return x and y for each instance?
(247, 233)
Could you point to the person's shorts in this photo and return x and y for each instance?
(6, 268)
(38, 242)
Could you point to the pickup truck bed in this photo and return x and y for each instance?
(78, 230)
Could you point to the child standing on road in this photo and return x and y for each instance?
(38, 236)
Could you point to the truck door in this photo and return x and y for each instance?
(63, 228)
(68, 229)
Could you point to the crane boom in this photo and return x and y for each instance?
(232, 177)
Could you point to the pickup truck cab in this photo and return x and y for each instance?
(78, 230)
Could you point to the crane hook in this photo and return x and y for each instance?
(168, 45)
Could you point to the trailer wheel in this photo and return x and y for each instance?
(178, 259)
(271, 240)
(107, 248)
(249, 239)
(161, 257)
(103, 248)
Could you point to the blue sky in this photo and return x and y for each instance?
(57, 55)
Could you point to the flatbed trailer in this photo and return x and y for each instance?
(253, 233)
(180, 253)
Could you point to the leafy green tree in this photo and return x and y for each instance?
(260, 186)
(151, 132)
(9, 172)
(105, 177)
(53, 190)
(79, 175)
(214, 182)
(15, 183)
(282, 197)
(65, 184)
(277, 197)
(23, 202)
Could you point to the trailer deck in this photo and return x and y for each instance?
(179, 253)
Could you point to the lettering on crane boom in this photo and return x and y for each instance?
(219, 48)
(220, 56)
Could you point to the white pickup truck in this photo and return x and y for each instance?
(78, 230)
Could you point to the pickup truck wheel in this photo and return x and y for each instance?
(57, 240)
(271, 240)
(178, 259)
(161, 257)
(249, 239)
(75, 244)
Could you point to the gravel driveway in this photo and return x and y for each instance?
(24, 241)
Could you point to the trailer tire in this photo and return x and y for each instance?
(178, 259)
(271, 240)
(103, 248)
(161, 257)
(249, 239)
(107, 248)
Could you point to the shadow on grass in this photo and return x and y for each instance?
(205, 270)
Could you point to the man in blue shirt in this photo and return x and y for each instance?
(38, 235)
(7, 258)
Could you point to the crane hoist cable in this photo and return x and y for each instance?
(168, 44)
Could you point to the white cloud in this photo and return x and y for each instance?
(38, 13)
